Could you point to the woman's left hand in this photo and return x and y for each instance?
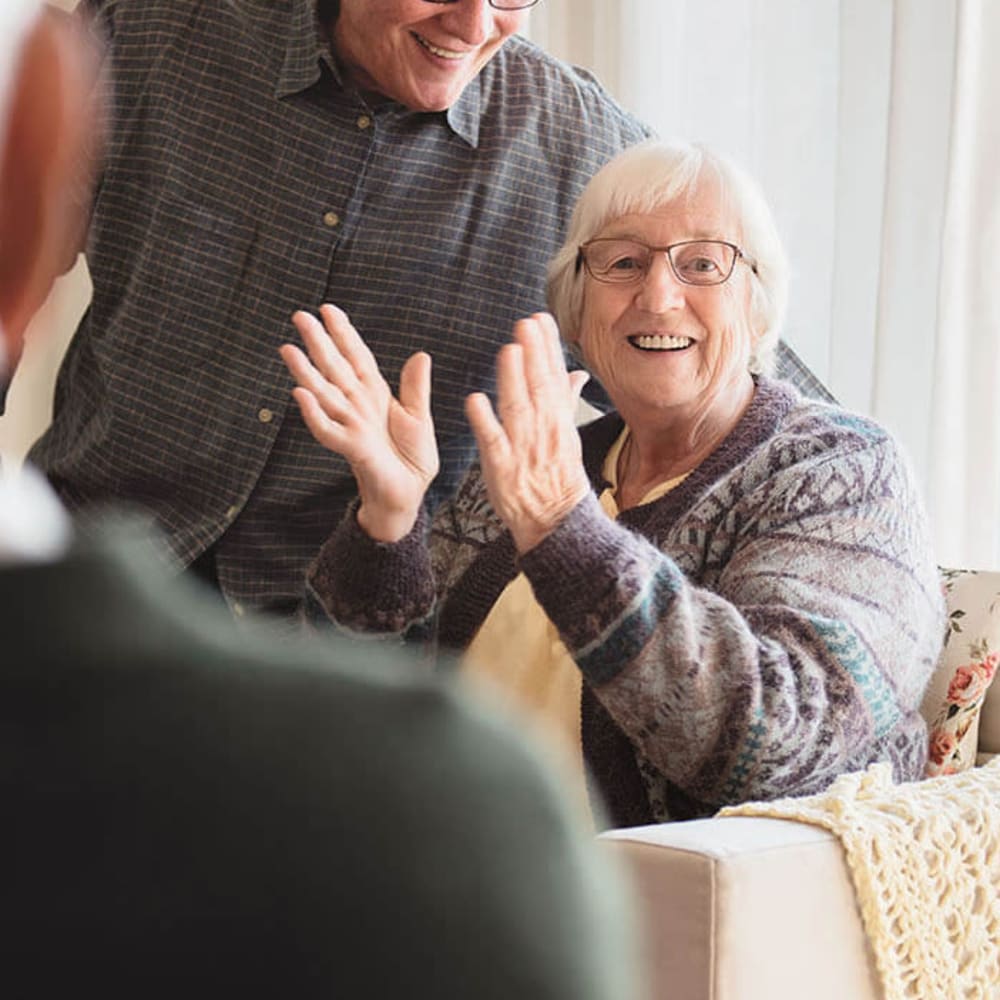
(530, 449)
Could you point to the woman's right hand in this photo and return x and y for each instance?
(349, 408)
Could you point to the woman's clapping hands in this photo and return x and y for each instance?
(529, 448)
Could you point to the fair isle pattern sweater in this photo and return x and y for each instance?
(766, 626)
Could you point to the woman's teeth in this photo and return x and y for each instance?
(657, 342)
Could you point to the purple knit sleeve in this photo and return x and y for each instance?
(374, 587)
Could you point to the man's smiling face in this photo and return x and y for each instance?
(421, 54)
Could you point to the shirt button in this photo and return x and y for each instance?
(264, 415)
(238, 609)
(231, 512)
(331, 219)
(364, 121)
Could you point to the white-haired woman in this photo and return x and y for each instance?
(720, 591)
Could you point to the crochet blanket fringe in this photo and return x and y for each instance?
(925, 861)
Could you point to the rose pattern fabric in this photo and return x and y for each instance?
(970, 659)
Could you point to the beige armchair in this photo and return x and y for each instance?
(747, 908)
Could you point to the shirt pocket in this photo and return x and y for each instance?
(198, 255)
(169, 273)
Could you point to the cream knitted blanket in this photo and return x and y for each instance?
(925, 861)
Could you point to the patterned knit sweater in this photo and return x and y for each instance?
(767, 625)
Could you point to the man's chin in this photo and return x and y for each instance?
(432, 104)
(432, 97)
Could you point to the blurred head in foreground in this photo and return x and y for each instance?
(47, 118)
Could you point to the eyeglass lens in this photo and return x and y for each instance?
(697, 262)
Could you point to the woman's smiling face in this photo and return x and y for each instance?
(658, 345)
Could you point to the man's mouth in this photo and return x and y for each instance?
(659, 342)
(435, 50)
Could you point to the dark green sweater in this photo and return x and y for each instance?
(191, 810)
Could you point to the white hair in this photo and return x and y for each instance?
(648, 176)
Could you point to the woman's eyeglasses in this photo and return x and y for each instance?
(694, 262)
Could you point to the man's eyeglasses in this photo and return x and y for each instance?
(694, 262)
(499, 4)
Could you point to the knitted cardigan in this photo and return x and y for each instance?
(767, 625)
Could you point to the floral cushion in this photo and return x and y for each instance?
(967, 666)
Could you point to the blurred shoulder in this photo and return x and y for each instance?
(341, 780)
(318, 696)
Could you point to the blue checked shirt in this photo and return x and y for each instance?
(245, 180)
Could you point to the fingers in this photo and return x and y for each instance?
(537, 374)
(543, 335)
(513, 397)
(529, 448)
(544, 364)
(328, 432)
(577, 380)
(496, 456)
(328, 362)
(491, 439)
(534, 390)
(349, 342)
(335, 404)
(557, 361)
(337, 350)
(325, 393)
(300, 367)
(415, 386)
(534, 395)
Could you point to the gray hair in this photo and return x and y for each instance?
(648, 176)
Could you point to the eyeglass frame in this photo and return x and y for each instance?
(522, 5)
(738, 254)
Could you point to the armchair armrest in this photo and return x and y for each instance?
(746, 908)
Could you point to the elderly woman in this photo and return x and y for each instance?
(720, 591)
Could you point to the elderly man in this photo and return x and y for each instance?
(412, 161)
(190, 810)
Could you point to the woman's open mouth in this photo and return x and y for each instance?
(659, 342)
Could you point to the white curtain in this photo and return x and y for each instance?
(874, 127)
(964, 445)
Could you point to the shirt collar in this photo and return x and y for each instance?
(463, 116)
(609, 498)
(307, 48)
(610, 469)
